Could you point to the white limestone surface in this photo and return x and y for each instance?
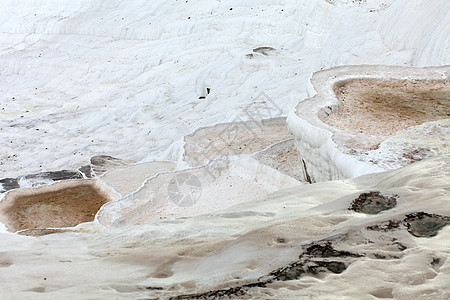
(192, 192)
(87, 77)
(246, 242)
(130, 79)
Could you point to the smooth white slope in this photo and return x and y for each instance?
(80, 78)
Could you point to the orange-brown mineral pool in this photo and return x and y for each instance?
(65, 204)
(382, 107)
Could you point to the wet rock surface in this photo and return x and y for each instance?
(98, 166)
(418, 224)
(38, 179)
(373, 203)
(55, 176)
(102, 163)
(7, 184)
(86, 171)
(422, 224)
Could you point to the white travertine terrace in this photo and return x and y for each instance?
(245, 242)
(331, 153)
(124, 87)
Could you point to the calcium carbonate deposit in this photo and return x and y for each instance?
(224, 149)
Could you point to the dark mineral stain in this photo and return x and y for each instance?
(386, 226)
(13, 183)
(234, 292)
(314, 260)
(421, 224)
(40, 232)
(56, 175)
(101, 163)
(373, 203)
(86, 170)
(326, 250)
(263, 50)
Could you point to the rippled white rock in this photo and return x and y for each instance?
(82, 78)
(126, 78)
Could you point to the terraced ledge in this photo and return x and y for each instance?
(234, 138)
(367, 119)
